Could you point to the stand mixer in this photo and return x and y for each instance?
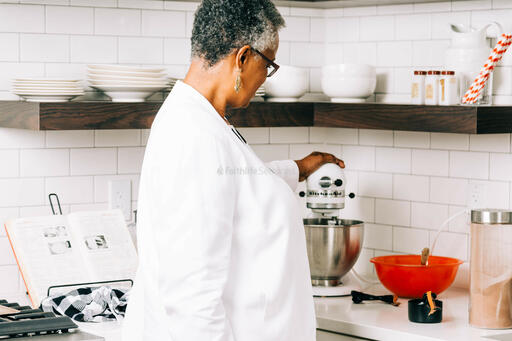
(333, 244)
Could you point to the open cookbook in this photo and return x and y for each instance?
(80, 247)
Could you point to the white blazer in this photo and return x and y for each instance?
(222, 250)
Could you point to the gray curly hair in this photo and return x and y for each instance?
(222, 26)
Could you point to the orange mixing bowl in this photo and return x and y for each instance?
(404, 275)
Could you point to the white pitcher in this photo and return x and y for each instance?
(468, 52)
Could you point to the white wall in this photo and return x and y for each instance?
(406, 183)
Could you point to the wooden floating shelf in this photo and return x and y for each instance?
(109, 115)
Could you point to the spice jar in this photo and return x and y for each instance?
(448, 88)
(418, 87)
(491, 269)
(432, 87)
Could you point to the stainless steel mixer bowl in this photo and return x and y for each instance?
(333, 248)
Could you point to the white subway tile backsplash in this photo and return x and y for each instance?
(116, 21)
(163, 23)
(395, 53)
(395, 9)
(21, 192)
(10, 165)
(460, 222)
(21, 138)
(359, 11)
(409, 240)
(451, 245)
(412, 26)
(307, 54)
(441, 23)
(93, 49)
(130, 160)
(347, 29)
(10, 47)
(93, 161)
(471, 5)
(268, 152)
(449, 141)
(6, 254)
(377, 28)
(429, 53)
(490, 143)
(448, 191)
(317, 33)
(469, 165)
(148, 4)
(333, 135)
(392, 212)
(6, 214)
(360, 53)
(428, 216)
(378, 237)
(502, 84)
(116, 138)
(69, 138)
(289, 134)
(94, 3)
(385, 80)
(181, 5)
(433, 7)
(371, 137)
(395, 160)
(135, 50)
(363, 265)
(377, 185)
(44, 48)
(307, 12)
(501, 166)
(101, 186)
(297, 29)
(430, 162)
(298, 151)
(190, 24)
(351, 182)
(359, 158)
(71, 189)
(176, 51)
(501, 4)
(69, 20)
(21, 18)
(496, 194)
(255, 135)
(412, 139)
(403, 80)
(410, 187)
(359, 208)
(44, 162)
(10, 279)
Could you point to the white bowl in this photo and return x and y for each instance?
(349, 83)
(287, 84)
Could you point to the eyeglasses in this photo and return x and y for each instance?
(271, 67)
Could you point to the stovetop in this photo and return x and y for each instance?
(31, 322)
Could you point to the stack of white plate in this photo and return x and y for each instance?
(47, 89)
(127, 83)
(261, 91)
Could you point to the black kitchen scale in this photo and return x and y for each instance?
(18, 321)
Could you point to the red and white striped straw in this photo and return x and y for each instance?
(478, 84)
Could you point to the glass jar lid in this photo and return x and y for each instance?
(491, 216)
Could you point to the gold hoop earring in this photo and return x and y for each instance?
(238, 82)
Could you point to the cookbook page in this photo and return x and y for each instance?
(47, 253)
(106, 244)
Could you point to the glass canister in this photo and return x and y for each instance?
(491, 269)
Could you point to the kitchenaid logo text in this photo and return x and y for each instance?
(250, 170)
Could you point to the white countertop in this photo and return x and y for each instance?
(380, 321)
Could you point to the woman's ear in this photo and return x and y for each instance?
(241, 56)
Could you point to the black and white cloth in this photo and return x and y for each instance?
(90, 304)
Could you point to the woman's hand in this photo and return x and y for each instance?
(313, 161)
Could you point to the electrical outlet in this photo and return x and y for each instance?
(120, 197)
(477, 195)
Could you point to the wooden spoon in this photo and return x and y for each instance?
(424, 256)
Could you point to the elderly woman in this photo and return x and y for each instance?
(221, 240)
